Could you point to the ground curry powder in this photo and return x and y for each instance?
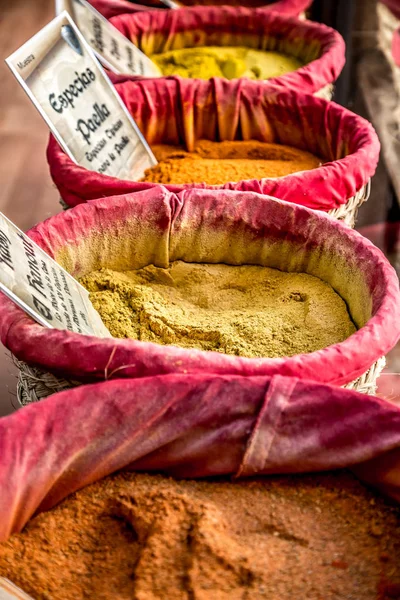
(148, 537)
(245, 310)
(216, 163)
(230, 62)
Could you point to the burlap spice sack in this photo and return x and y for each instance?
(110, 8)
(157, 227)
(148, 536)
(179, 112)
(317, 51)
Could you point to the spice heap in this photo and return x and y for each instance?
(230, 62)
(241, 310)
(216, 163)
(322, 537)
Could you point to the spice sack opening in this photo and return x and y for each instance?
(317, 51)
(157, 227)
(179, 113)
(189, 426)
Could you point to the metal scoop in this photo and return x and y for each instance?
(9, 591)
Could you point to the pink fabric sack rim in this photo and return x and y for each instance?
(190, 426)
(111, 8)
(88, 358)
(257, 22)
(239, 106)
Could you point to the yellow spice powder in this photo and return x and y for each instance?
(216, 163)
(241, 310)
(230, 62)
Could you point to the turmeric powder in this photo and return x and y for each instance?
(250, 311)
(230, 62)
(216, 163)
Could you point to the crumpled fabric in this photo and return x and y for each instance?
(180, 111)
(190, 426)
(157, 227)
(321, 48)
(283, 7)
(396, 47)
(110, 8)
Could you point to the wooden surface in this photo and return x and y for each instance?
(28, 195)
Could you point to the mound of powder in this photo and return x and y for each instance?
(241, 310)
(216, 163)
(230, 62)
(143, 537)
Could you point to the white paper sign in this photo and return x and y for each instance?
(41, 287)
(112, 48)
(68, 86)
(9, 591)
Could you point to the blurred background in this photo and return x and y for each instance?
(369, 85)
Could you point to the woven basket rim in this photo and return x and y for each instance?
(34, 384)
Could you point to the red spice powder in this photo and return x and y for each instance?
(145, 537)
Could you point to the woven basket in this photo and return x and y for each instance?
(348, 212)
(156, 227)
(326, 92)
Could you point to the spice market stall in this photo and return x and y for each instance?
(192, 423)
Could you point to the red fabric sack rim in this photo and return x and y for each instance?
(362, 349)
(338, 180)
(111, 8)
(311, 78)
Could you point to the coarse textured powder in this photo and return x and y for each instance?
(143, 537)
(230, 62)
(246, 310)
(217, 163)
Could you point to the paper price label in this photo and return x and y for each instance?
(68, 86)
(47, 292)
(112, 48)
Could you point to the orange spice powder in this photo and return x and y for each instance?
(216, 163)
(148, 537)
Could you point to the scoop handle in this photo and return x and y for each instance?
(9, 591)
